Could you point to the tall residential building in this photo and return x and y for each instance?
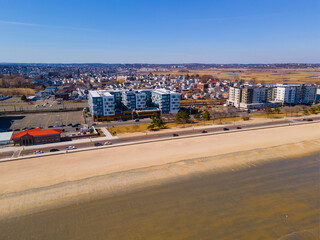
(101, 103)
(167, 101)
(134, 100)
(273, 95)
(130, 104)
(295, 93)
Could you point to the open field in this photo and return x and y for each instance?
(144, 127)
(263, 75)
(17, 91)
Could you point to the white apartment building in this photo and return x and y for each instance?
(286, 94)
(295, 93)
(101, 103)
(167, 101)
(273, 95)
(234, 96)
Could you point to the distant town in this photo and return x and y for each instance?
(87, 104)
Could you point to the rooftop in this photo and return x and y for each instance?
(36, 132)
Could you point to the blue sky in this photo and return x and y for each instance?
(160, 31)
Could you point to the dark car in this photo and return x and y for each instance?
(225, 129)
(175, 135)
(69, 125)
(50, 126)
(204, 131)
(54, 150)
(23, 129)
(239, 127)
(98, 144)
(62, 125)
(16, 130)
(93, 124)
(303, 119)
(309, 119)
(137, 120)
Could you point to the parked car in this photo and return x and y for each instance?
(16, 130)
(225, 129)
(62, 125)
(303, 119)
(70, 148)
(54, 150)
(239, 127)
(69, 125)
(98, 144)
(137, 120)
(107, 143)
(204, 131)
(309, 119)
(38, 152)
(175, 135)
(93, 124)
(50, 126)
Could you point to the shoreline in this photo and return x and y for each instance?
(120, 183)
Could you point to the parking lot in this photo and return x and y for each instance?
(43, 120)
(16, 105)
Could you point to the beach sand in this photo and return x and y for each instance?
(32, 185)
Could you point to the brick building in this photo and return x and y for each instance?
(36, 136)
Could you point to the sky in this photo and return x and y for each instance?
(160, 31)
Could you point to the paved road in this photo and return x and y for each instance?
(152, 136)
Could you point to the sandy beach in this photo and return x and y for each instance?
(31, 185)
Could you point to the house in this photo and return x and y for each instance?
(36, 136)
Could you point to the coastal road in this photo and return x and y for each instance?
(160, 135)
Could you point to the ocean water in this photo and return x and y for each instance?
(278, 200)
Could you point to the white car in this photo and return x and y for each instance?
(70, 148)
(38, 152)
(107, 143)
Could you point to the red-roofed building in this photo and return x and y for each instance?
(36, 136)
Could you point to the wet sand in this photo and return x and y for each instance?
(277, 200)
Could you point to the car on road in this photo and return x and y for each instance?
(70, 148)
(98, 144)
(16, 130)
(175, 135)
(309, 119)
(225, 129)
(23, 129)
(93, 124)
(204, 131)
(303, 119)
(69, 125)
(62, 125)
(107, 143)
(50, 126)
(38, 152)
(56, 126)
(239, 127)
(54, 150)
(137, 120)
